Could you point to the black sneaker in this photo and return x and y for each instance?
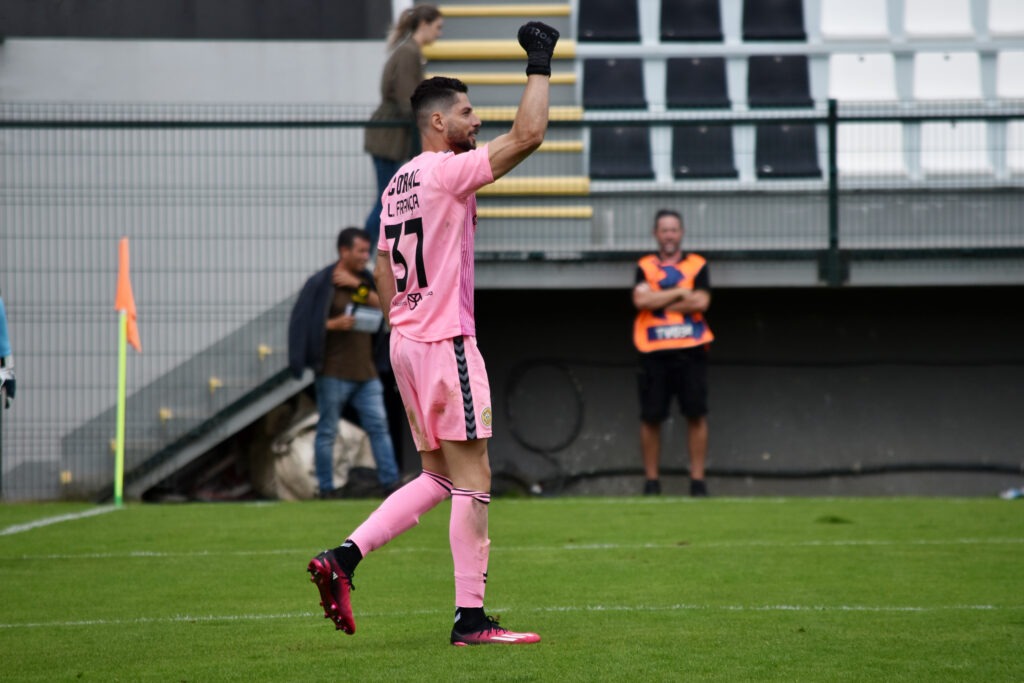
(490, 633)
(652, 487)
(698, 489)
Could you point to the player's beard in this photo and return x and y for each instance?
(464, 143)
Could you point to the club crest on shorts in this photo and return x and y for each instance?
(485, 417)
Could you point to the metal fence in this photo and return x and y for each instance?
(229, 209)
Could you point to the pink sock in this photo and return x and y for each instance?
(470, 545)
(401, 511)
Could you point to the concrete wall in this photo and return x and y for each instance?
(191, 72)
(802, 380)
(194, 19)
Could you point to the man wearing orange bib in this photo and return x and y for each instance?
(672, 293)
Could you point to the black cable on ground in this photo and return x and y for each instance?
(819, 473)
(556, 483)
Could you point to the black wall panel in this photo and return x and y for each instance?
(198, 19)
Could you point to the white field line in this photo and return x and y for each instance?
(47, 521)
(213, 618)
(683, 545)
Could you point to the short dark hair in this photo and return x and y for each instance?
(348, 236)
(434, 93)
(667, 212)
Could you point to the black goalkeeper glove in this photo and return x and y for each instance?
(539, 42)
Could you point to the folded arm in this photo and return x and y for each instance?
(678, 300)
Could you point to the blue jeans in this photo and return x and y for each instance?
(368, 400)
(386, 169)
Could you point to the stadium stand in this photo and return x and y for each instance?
(613, 84)
(498, 49)
(515, 10)
(947, 76)
(620, 152)
(695, 82)
(862, 77)
(862, 20)
(1010, 75)
(867, 149)
(868, 54)
(609, 20)
(702, 151)
(773, 20)
(871, 149)
(926, 19)
(786, 151)
(954, 148)
(476, 49)
(691, 20)
(778, 81)
(1005, 18)
(1015, 147)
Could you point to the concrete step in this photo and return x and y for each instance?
(504, 95)
(534, 211)
(530, 233)
(551, 164)
(490, 114)
(537, 185)
(517, 77)
(496, 49)
(498, 27)
(505, 9)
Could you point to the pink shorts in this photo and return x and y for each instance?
(444, 388)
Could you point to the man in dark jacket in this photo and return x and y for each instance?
(332, 331)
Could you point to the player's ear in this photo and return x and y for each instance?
(437, 122)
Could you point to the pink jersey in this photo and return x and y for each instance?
(428, 225)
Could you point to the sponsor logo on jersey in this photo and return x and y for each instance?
(677, 331)
(403, 182)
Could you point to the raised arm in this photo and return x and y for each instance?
(531, 122)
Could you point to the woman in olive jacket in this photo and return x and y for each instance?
(417, 26)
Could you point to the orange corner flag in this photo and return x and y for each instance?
(124, 300)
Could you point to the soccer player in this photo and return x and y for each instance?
(425, 270)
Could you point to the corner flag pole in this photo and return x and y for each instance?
(127, 333)
(122, 372)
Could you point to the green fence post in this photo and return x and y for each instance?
(833, 266)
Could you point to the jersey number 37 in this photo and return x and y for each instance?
(413, 226)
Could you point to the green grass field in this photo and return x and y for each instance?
(619, 588)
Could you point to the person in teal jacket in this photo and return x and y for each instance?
(7, 385)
